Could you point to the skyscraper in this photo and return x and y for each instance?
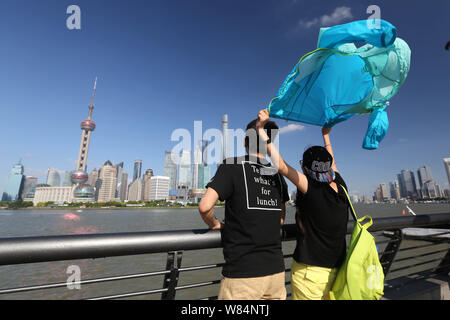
(201, 170)
(135, 190)
(137, 169)
(108, 177)
(92, 179)
(119, 171)
(147, 176)
(53, 178)
(67, 182)
(203, 176)
(447, 168)
(383, 189)
(424, 175)
(14, 185)
(123, 194)
(394, 190)
(429, 190)
(224, 136)
(407, 184)
(184, 169)
(170, 170)
(29, 183)
(82, 191)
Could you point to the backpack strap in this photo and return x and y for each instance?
(351, 206)
(366, 225)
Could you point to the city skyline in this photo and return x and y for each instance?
(409, 185)
(137, 55)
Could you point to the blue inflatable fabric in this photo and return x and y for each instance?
(339, 80)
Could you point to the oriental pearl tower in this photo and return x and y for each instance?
(84, 192)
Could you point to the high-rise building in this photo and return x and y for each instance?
(384, 194)
(447, 193)
(92, 179)
(137, 169)
(119, 176)
(429, 190)
(123, 194)
(108, 177)
(29, 183)
(204, 174)
(225, 136)
(407, 184)
(122, 183)
(147, 176)
(201, 170)
(170, 169)
(14, 184)
(79, 177)
(394, 190)
(67, 182)
(184, 169)
(159, 188)
(53, 178)
(135, 190)
(377, 195)
(424, 175)
(197, 162)
(447, 168)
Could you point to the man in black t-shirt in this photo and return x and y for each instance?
(255, 195)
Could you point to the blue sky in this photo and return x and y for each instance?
(164, 64)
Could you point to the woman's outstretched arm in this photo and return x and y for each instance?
(327, 145)
(296, 177)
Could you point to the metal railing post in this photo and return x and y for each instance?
(444, 266)
(391, 250)
(171, 279)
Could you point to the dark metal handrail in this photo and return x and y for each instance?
(19, 250)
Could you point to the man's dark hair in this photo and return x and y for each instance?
(252, 137)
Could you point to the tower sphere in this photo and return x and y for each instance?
(84, 191)
(87, 125)
(79, 177)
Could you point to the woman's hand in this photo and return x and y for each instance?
(325, 130)
(263, 117)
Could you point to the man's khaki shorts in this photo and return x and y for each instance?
(270, 287)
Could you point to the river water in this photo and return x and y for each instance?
(14, 223)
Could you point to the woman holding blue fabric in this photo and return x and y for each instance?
(321, 216)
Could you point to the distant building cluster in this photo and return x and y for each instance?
(406, 187)
(184, 180)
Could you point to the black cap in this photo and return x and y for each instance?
(318, 161)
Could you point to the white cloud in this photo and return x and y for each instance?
(291, 127)
(339, 14)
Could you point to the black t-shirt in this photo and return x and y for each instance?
(322, 216)
(253, 192)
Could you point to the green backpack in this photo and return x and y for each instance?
(360, 276)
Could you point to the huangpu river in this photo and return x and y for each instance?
(42, 222)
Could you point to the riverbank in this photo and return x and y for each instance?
(106, 208)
